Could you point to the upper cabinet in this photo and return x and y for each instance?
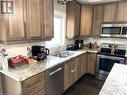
(32, 20)
(97, 20)
(73, 20)
(48, 25)
(12, 27)
(109, 12)
(40, 16)
(86, 20)
(115, 12)
(121, 15)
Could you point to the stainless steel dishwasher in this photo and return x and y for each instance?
(54, 80)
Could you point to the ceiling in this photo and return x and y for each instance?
(96, 1)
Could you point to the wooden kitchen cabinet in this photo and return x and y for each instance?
(73, 20)
(97, 20)
(48, 24)
(77, 68)
(34, 17)
(83, 64)
(34, 85)
(91, 63)
(86, 20)
(110, 12)
(40, 19)
(73, 70)
(12, 27)
(32, 20)
(121, 15)
(68, 76)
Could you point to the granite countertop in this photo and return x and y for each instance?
(116, 83)
(23, 72)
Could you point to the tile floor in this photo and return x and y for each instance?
(87, 85)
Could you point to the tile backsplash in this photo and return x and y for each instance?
(21, 49)
(120, 41)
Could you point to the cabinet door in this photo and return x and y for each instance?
(70, 20)
(68, 76)
(121, 14)
(84, 63)
(48, 18)
(33, 17)
(86, 20)
(73, 20)
(110, 12)
(91, 63)
(97, 20)
(76, 69)
(77, 19)
(16, 30)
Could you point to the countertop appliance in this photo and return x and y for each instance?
(106, 60)
(40, 52)
(72, 47)
(114, 30)
(79, 44)
(54, 80)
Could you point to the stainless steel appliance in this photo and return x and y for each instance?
(105, 61)
(40, 52)
(54, 80)
(114, 30)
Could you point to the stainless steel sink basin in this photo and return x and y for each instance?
(65, 54)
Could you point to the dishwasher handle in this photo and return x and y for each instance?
(55, 71)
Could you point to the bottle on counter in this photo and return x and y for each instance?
(5, 63)
(3, 59)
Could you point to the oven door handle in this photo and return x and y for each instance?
(110, 57)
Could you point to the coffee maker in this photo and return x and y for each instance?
(79, 44)
(39, 52)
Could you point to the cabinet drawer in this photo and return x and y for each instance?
(39, 85)
(35, 92)
(35, 81)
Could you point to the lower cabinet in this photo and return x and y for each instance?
(73, 70)
(91, 63)
(34, 85)
(68, 76)
(83, 64)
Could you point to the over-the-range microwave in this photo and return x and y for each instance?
(114, 30)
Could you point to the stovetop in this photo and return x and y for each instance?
(117, 53)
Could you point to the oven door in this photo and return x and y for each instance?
(105, 64)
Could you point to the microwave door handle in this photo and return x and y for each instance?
(121, 31)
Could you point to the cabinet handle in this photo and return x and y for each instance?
(43, 28)
(24, 26)
(55, 71)
(74, 70)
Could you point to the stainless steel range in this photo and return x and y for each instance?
(106, 59)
